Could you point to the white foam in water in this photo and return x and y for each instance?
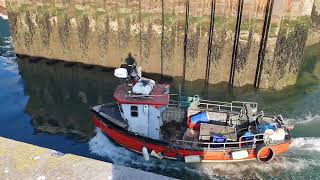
(306, 143)
(102, 146)
(308, 119)
(257, 170)
(3, 16)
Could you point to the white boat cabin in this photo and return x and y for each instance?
(142, 112)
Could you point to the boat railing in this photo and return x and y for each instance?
(233, 106)
(143, 96)
(203, 104)
(242, 143)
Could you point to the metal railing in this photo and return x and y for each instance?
(144, 96)
(218, 105)
(226, 145)
(233, 106)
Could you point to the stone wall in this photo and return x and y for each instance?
(285, 46)
(3, 7)
(171, 37)
(2, 3)
(314, 33)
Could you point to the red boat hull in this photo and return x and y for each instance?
(136, 144)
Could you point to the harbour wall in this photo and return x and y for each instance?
(314, 33)
(20, 160)
(240, 42)
(3, 10)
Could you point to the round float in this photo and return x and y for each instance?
(264, 153)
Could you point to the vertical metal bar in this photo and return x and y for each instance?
(211, 29)
(162, 37)
(263, 42)
(186, 29)
(140, 32)
(236, 43)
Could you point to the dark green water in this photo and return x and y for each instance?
(46, 103)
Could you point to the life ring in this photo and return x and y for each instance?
(264, 153)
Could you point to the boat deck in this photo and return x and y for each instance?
(112, 113)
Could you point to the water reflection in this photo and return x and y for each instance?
(60, 95)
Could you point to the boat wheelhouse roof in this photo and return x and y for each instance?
(157, 96)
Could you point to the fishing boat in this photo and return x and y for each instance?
(146, 118)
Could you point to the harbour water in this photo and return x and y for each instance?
(46, 103)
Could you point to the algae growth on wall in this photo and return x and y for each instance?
(314, 32)
(217, 41)
(286, 43)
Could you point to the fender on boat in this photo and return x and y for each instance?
(145, 153)
(192, 159)
(157, 155)
(264, 153)
(240, 154)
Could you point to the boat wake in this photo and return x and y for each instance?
(307, 118)
(104, 147)
(3, 16)
(255, 170)
(306, 143)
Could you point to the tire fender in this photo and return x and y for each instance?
(264, 153)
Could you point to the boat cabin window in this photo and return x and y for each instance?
(134, 111)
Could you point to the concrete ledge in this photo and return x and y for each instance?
(3, 10)
(25, 161)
